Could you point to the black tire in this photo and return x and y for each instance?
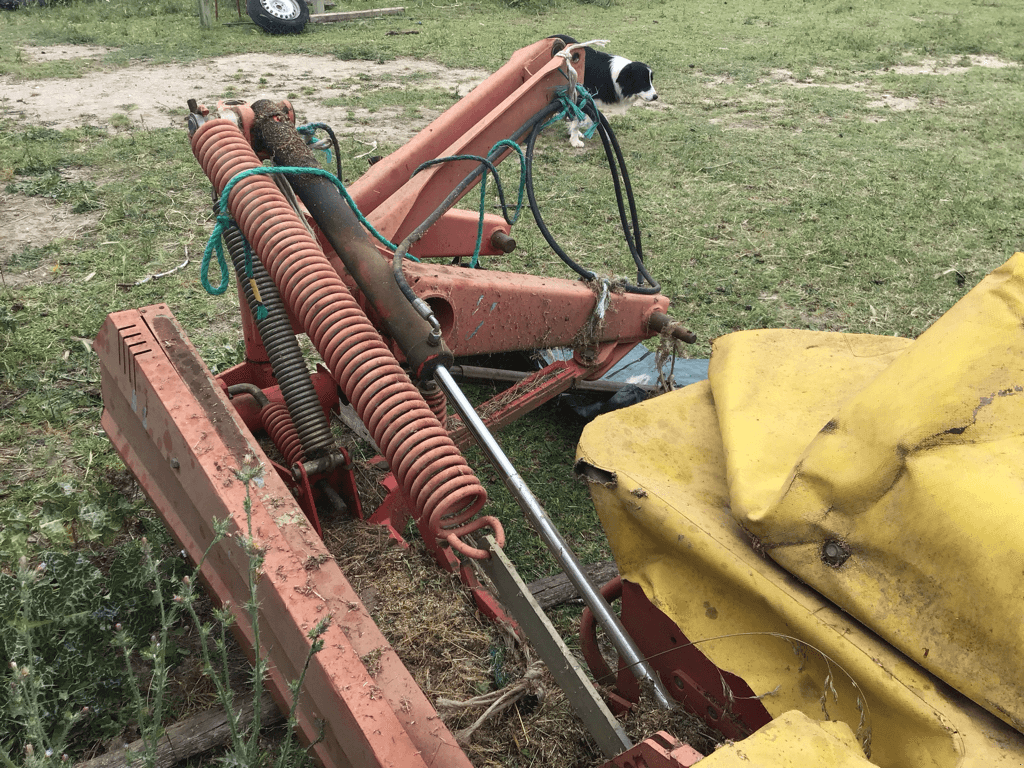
(278, 17)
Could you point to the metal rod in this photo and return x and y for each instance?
(617, 634)
(602, 386)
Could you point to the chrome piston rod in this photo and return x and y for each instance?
(617, 634)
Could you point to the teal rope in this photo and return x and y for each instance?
(522, 177)
(573, 111)
(310, 129)
(214, 245)
(483, 188)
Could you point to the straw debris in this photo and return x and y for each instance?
(470, 667)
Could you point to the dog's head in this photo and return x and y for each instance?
(636, 81)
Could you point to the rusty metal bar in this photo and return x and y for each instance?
(552, 537)
(659, 321)
(601, 386)
(522, 397)
(180, 436)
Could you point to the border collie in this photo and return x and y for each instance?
(615, 82)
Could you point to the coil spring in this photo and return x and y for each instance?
(435, 400)
(279, 425)
(285, 355)
(425, 461)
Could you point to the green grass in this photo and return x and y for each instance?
(794, 176)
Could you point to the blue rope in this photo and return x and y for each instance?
(215, 246)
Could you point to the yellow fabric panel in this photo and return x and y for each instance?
(664, 504)
(920, 477)
(792, 740)
(774, 391)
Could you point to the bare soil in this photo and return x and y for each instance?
(35, 222)
(155, 96)
(145, 96)
(881, 102)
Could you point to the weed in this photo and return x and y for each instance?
(119, 121)
(778, 185)
(64, 613)
(66, 616)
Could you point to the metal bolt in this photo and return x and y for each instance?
(834, 553)
(175, 464)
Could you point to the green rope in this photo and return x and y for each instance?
(214, 245)
(573, 111)
(522, 177)
(483, 188)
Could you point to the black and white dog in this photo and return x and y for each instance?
(615, 83)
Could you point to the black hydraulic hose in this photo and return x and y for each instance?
(283, 350)
(313, 127)
(613, 153)
(453, 197)
(337, 148)
(532, 197)
(610, 141)
(618, 165)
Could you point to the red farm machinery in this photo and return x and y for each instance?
(867, 611)
(389, 318)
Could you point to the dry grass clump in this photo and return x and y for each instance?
(455, 654)
(647, 718)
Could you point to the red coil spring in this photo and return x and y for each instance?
(437, 403)
(427, 464)
(279, 425)
(277, 421)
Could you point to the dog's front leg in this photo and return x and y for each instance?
(575, 136)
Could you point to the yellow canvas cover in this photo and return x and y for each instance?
(885, 473)
(897, 493)
(660, 491)
(792, 740)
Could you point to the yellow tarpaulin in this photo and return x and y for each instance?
(792, 740)
(892, 479)
(887, 474)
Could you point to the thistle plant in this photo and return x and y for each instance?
(244, 746)
(149, 700)
(45, 736)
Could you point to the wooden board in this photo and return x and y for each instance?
(328, 18)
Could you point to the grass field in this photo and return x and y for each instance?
(844, 166)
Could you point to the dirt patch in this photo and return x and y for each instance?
(64, 52)
(34, 222)
(952, 65)
(879, 99)
(155, 96)
(894, 103)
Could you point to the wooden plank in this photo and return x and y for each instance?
(192, 736)
(328, 18)
(555, 590)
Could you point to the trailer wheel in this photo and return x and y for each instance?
(279, 17)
